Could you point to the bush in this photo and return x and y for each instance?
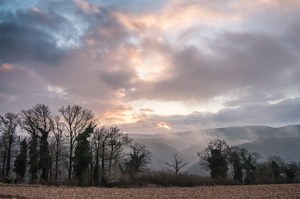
(167, 179)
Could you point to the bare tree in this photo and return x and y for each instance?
(138, 159)
(177, 164)
(116, 141)
(37, 121)
(8, 126)
(28, 124)
(108, 144)
(98, 147)
(76, 119)
(58, 130)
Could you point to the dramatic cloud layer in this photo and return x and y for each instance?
(154, 66)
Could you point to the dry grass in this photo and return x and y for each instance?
(253, 191)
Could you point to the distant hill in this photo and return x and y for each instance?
(287, 148)
(282, 141)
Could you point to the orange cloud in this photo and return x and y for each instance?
(122, 114)
(87, 7)
(176, 17)
(6, 67)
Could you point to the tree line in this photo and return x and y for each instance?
(71, 149)
(244, 167)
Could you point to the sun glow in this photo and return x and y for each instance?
(122, 114)
(164, 125)
(178, 107)
(151, 69)
(149, 66)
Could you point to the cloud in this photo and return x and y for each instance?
(146, 110)
(38, 38)
(41, 33)
(241, 62)
(26, 44)
(270, 4)
(39, 42)
(164, 125)
(220, 58)
(279, 114)
(175, 18)
(6, 68)
(5, 2)
(138, 6)
(118, 78)
(86, 7)
(20, 86)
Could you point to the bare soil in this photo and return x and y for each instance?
(245, 191)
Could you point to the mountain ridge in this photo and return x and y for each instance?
(284, 141)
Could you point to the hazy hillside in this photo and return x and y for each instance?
(287, 148)
(160, 153)
(282, 141)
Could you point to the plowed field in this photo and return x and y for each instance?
(252, 191)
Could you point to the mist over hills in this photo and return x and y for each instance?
(265, 140)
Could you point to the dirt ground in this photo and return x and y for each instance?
(252, 191)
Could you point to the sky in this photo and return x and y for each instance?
(154, 66)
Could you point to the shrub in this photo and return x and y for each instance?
(168, 179)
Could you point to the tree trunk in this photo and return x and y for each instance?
(44, 156)
(50, 173)
(91, 167)
(70, 159)
(8, 159)
(4, 163)
(103, 180)
(110, 159)
(96, 168)
(34, 156)
(56, 163)
(70, 165)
